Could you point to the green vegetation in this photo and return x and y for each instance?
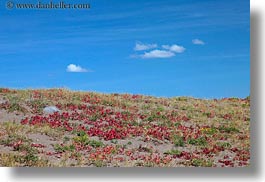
(201, 163)
(228, 129)
(178, 141)
(172, 152)
(199, 141)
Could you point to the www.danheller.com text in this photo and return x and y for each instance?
(47, 5)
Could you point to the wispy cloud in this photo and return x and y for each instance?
(174, 48)
(197, 42)
(158, 54)
(75, 68)
(142, 47)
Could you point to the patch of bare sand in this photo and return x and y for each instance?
(44, 140)
(6, 116)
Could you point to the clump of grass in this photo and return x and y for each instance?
(151, 118)
(107, 103)
(209, 131)
(14, 106)
(18, 160)
(178, 141)
(11, 138)
(146, 106)
(94, 117)
(160, 109)
(201, 163)
(82, 138)
(26, 147)
(182, 99)
(199, 141)
(228, 129)
(99, 163)
(145, 164)
(172, 152)
(11, 128)
(225, 145)
(114, 141)
(30, 158)
(95, 143)
(66, 139)
(155, 116)
(63, 148)
(177, 124)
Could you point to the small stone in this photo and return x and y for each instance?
(50, 109)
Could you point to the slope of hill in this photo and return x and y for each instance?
(93, 129)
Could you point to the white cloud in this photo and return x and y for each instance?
(166, 51)
(174, 48)
(198, 42)
(75, 68)
(142, 47)
(158, 54)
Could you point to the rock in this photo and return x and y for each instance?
(51, 109)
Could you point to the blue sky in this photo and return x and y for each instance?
(161, 47)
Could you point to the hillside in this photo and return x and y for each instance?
(122, 130)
